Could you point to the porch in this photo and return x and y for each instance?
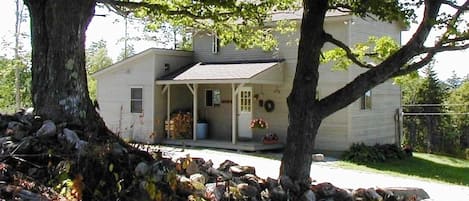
(222, 94)
(249, 146)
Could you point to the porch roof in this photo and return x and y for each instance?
(266, 72)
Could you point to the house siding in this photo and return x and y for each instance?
(337, 132)
(114, 93)
(376, 125)
(203, 51)
(114, 99)
(341, 129)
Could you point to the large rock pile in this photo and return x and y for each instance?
(43, 160)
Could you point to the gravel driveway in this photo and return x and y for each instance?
(326, 172)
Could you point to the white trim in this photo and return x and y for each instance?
(195, 117)
(215, 44)
(233, 113)
(226, 81)
(130, 99)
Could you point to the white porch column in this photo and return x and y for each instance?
(167, 90)
(234, 125)
(168, 108)
(195, 119)
(193, 89)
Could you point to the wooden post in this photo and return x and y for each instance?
(233, 113)
(168, 109)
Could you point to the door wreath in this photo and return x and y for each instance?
(269, 105)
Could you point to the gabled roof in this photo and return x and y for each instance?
(147, 52)
(266, 72)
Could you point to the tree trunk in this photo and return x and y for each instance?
(304, 113)
(59, 83)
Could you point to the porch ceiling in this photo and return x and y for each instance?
(213, 73)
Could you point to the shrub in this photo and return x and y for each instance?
(361, 153)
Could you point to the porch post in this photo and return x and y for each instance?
(168, 109)
(233, 114)
(195, 118)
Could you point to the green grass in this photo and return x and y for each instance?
(427, 166)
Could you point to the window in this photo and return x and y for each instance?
(212, 97)
(215, 44)
(365, 101)
(136, 100)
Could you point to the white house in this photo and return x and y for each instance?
(229, 87)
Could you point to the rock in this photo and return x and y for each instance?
(386, 194)
(408, 193)
(253, 180)
(68, 137)
(192, 168)
(309, 196)
(247, 190)
(214, 191)
(217, 173)
(198, 178)
(318, 157)
(225, 166)
(48, 129)
(184, 186)
(372, 195)
(238, 170)
(343, 195)
(324, 190)
(359, 194)
(17, 130)
(142, 169)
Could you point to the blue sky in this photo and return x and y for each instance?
(111, 29)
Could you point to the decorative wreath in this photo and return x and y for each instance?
(269, 105)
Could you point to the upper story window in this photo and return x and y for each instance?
(365, 101)
(136, 100)
(215, 44)
(212, 97)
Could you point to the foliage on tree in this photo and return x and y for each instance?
(454, 81)
(448, 130)
(432, 91)
(7, 84)
(96, 58)
(460, 98)
(126, 52)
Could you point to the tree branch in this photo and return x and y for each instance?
(159, 8)
(455, 6)
(414, 66)
(387, 69)
(350, 54)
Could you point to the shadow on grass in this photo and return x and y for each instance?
(426, 169)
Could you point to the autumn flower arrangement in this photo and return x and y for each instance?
(258, 123)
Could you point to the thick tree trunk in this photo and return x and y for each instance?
(304, 113)
(59, 83)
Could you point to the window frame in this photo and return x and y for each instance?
(132, 100)
(366, 101)
(215, 101)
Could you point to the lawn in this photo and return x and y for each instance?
(427, 166)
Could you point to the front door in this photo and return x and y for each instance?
(244, 112)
